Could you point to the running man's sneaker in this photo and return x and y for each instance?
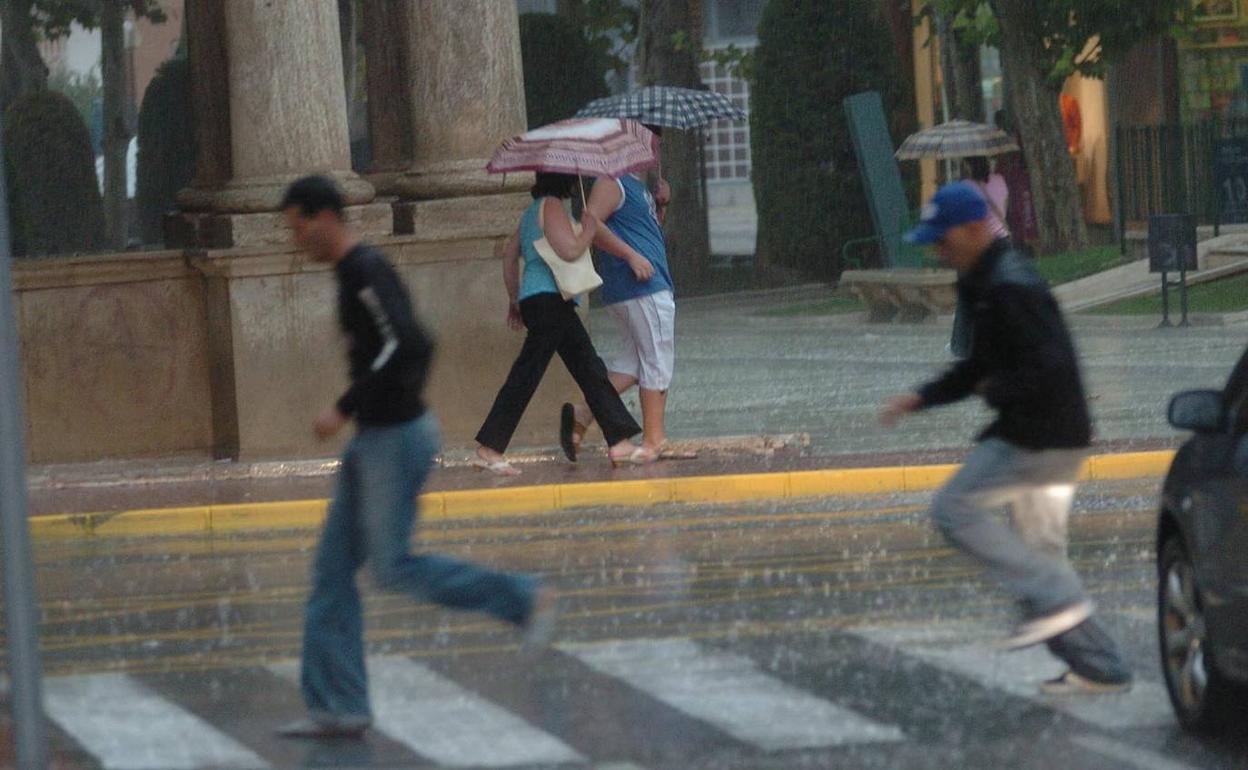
(1071, 683)
(540, 627)
(1045, 627)
(309, 727)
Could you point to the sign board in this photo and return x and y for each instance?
(881, 178)
(1230, 178)
(1171, 243)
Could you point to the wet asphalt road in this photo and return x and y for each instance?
(817, 633)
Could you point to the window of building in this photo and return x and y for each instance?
(727, 149)
(732, 19)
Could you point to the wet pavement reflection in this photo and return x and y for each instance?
(817, 633)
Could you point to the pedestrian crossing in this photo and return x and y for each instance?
(125, 725)
(438, 719)
(1017, 673)
(437, 715)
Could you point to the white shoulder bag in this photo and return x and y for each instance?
(573, 278)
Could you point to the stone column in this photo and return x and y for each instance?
(385, 30)
(464, 94)
(283, 98)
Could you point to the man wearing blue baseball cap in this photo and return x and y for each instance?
(1022, 363)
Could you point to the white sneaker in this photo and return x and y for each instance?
(1048, 626)
(540, 626)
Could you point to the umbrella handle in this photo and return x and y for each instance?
(580, 180)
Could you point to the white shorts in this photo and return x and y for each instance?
(648, 327)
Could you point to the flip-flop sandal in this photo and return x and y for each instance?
(567, 431)
(497, 467)
(639, 456)
(666, 452)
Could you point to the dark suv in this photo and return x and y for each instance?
(1202, 558)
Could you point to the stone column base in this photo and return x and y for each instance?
(211, 230)
(481, 216)
(453, 179)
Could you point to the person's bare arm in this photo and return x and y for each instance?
(511, 279)
(557, 227)
(603, 201)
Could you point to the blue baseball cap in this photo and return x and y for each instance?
(954, 204)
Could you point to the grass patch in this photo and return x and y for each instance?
(1070, 266)
(1228, 295)
(830, 306)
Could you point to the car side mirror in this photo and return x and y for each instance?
(1197, 410)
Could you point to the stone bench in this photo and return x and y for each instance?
(909, 295)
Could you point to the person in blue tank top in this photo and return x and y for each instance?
(553, 327)
(637, 291)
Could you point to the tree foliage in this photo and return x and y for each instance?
(53, 194)
(811, 55)
(1077, 36)
(53, 18)
(166, 159)
(563, 71)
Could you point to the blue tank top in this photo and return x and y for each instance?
(535, 276)
(637, 224)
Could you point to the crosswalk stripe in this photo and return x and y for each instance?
(1019, 673)
(440, 720)
(1139, 758)
(125, 726)
(731, 693)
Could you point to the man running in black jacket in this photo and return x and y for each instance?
(1022, 363)
(383, 469)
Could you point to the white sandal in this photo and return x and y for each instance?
(639, 456)
(497, 467)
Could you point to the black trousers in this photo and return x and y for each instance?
(554, 327)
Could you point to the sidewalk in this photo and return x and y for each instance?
(802, 391)
(157, 499)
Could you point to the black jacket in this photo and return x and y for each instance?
(389, 353)
(1022, 360)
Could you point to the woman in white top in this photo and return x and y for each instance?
(992, 186)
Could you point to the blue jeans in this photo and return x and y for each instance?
(371, 519)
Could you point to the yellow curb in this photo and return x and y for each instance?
(718, 489)
(499, 502)
(1128, 465)
(520, 501)
(639, 492)
(851, 481)
(921, 478)
(287, 514)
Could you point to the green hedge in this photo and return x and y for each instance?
(811, 55)
(166, 138)
(562, 71)
(54, 196)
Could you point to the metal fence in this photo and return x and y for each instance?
(1168, 169)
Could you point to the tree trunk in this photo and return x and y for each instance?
(346, 33)
(959, 65)
(688, 242)
(21, 67)
(1054, 189)
(116, 137)
(570, 9)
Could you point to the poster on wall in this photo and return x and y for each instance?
(1216, 10)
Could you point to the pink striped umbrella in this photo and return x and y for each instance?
(589, 147)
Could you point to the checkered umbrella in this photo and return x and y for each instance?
(956, 139)
(667, 106)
